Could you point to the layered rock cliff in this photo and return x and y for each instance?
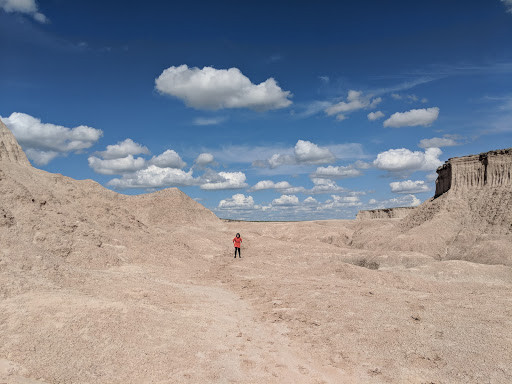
(386, 213)
(460, 174)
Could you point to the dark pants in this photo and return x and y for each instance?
(237, 249)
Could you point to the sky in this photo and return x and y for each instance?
(281, 110)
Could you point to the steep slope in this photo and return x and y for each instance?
(470, 217)
(10, 150)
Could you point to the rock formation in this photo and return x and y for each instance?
(10, 150)
(470, 217)
(385, 213)
(488, 169)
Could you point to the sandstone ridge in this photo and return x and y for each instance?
(10, 150)
(384, 213)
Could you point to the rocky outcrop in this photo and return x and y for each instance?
(386, 213)
(470, 217)
(10, 150)
(460, 174)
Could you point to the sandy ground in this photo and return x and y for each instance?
(294, 309)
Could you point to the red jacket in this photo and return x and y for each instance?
(237, 241)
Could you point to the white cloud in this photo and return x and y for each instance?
(362, 164)
(342, 202)
(154, 177)
(209, 120)
(355, 101)
(168, 159)
(325, 186)
(409, 186)
(28, 7)
(42, 142)
(372, 116)
(228, 180)
(41, 157)
(238, 202)
(308, 153)
(281, 186)
(508, 5)
(310, 201)
(204, 159)
(305, 152)
(409, 98)
(402, 201)
(211, 88)
(120, 166)
(400, 160)
(123, 149)
(325, 79)
(286, 200)
(413, 118)
(437, 142)
(331, 172)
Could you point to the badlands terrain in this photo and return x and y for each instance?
(99, 287)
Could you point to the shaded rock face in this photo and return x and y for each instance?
(460, 174)
(386, 213)
(10, 150)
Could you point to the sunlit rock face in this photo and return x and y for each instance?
(10, 150)
(489, 169)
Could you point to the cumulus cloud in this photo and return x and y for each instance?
(409, 186)
(340, 172)
(325, 186)
(211, 88)
(28, 7)
(168, 159)
(154, 177)
(342, 202)
(204, 159)
(413, 118)
(437, 142)
(116, 166)
(402, 201)
(372, 116)
(238, 202)
(123, 149)
(286, 200)
(305, 152)
(225, 180)
(508, 5)
(355, 101)
(209, 120)
(310, 201)
(403, 160)
(281, 186)
(43, 142)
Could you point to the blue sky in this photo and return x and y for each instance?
(282, 110)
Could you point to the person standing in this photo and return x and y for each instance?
(237, 241)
